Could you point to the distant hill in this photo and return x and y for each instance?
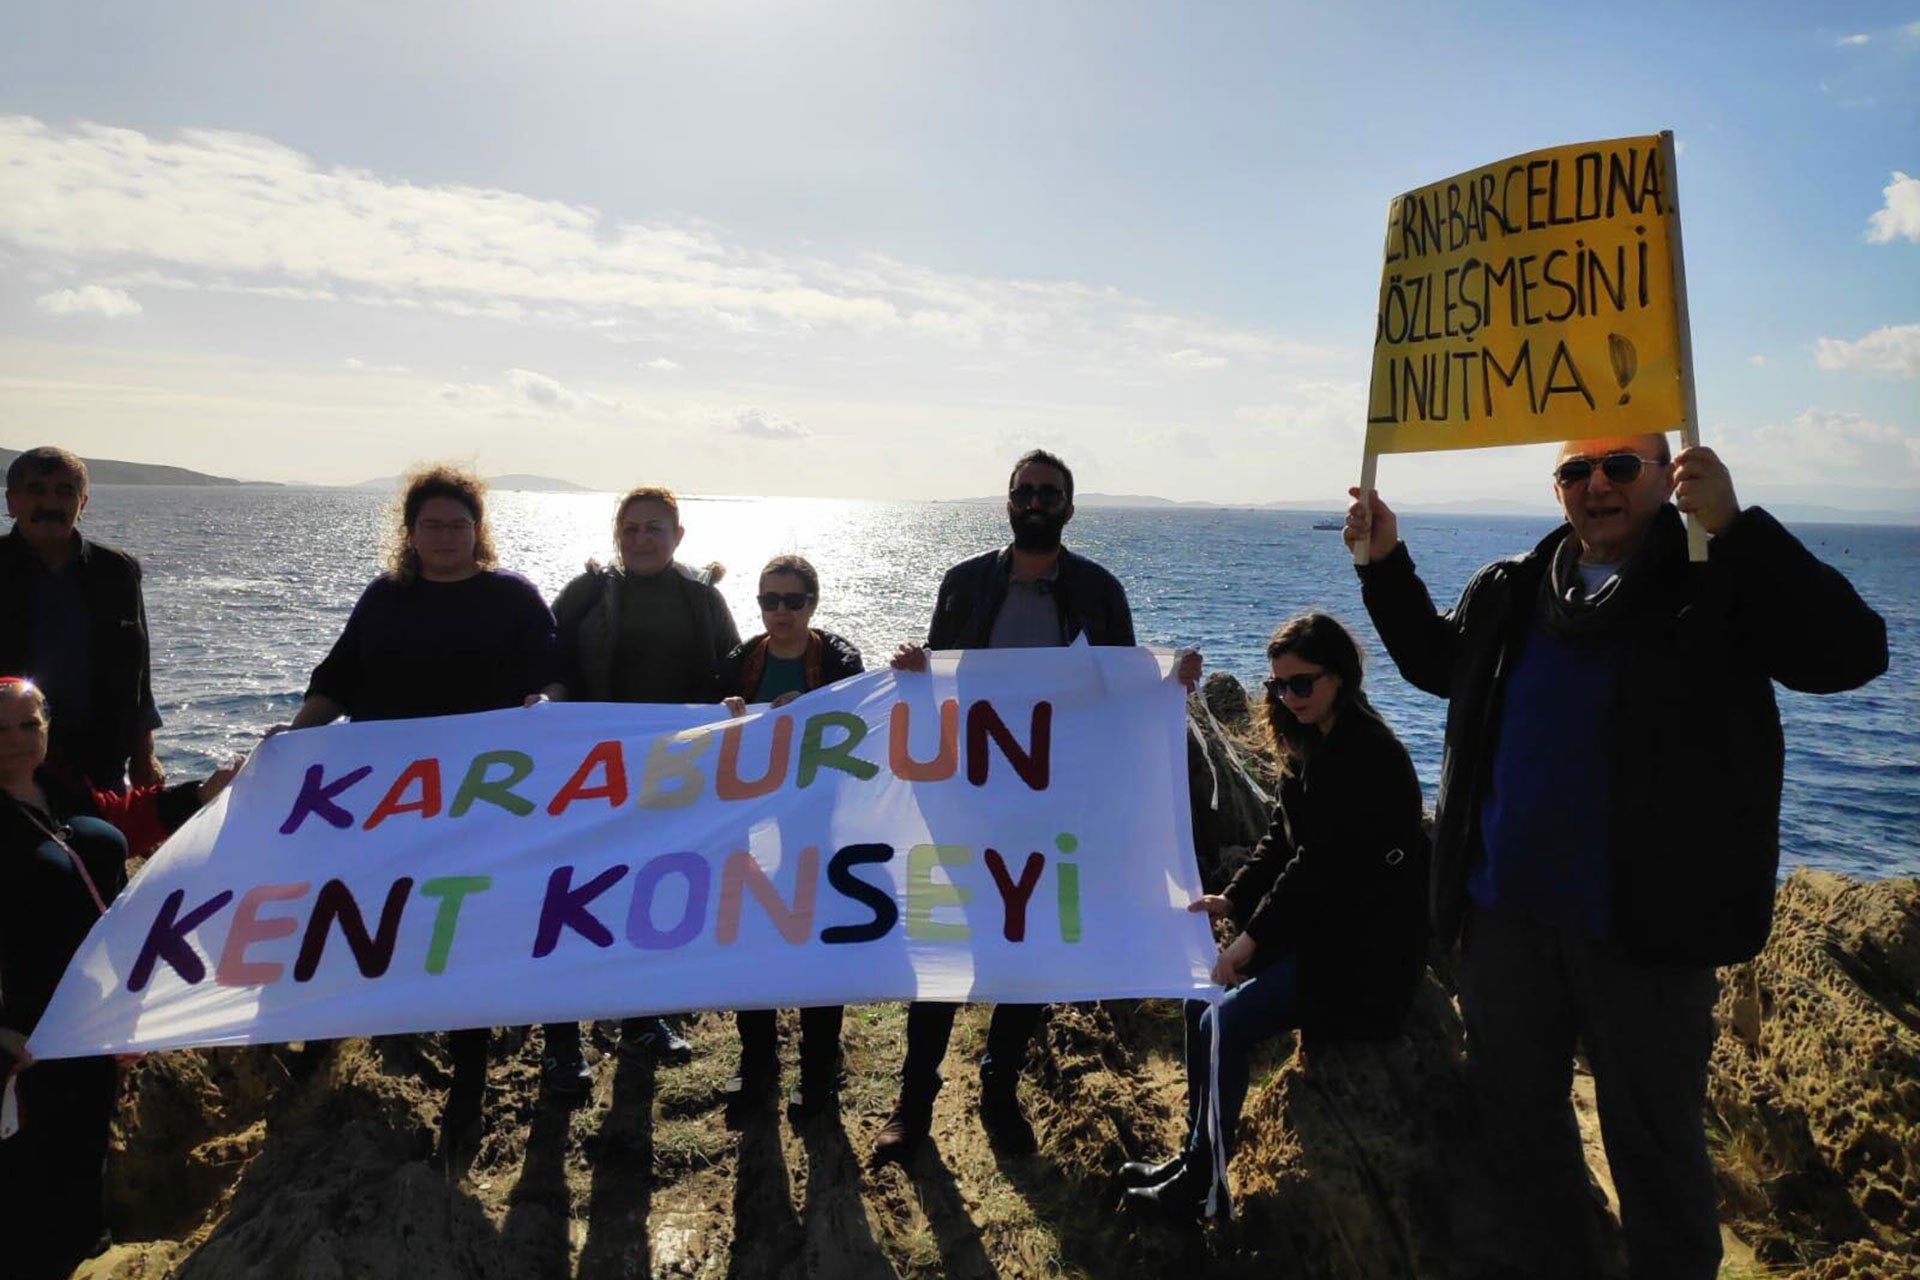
(522, 483)
(115, 471)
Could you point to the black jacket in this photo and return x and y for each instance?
(1091, 602)
(1339, 882)
(122, 686)
(1694, 795)
(828, 658)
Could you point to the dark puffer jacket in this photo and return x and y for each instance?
(1340, 882)
(1694, 791)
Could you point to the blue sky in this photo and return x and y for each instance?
(879, 248)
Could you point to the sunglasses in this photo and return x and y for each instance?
(1619, 468)
(1298, 686)
(794, 600)
(1049, 495)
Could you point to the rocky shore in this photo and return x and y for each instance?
(1358, 1161)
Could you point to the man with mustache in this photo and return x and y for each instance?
(77, 623)
(1032, 594)
(1608, 826)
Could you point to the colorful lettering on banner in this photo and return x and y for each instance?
(1530, 300)
(1009, 825)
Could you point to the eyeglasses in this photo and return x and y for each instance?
(1619, 468)
(1299, 686)
(443, 526)
(1049, 495)
(794, 600)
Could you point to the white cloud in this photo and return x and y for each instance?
(1757, 361)
(539, 389)
(240, 214)
(89, 300)
(468, 393)
(358, 365)
(1845, 41)
(1901, 217)
(1894, 349)
(661, 363)
(761, 425)
(1194, 359)
(1827, 444)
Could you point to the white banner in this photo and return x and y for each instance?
(1012, 825)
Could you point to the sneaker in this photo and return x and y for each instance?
(1180, 1199)
(907, 1128)
(1007, 1129)
(566, 1075)
(1139, 1173)
(656, 1038)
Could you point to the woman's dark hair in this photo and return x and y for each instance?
(1320, 639)
(422, 485)
(799, 568)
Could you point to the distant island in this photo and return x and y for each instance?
(517, 482)
(116, 471)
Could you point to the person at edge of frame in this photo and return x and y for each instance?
(1607, 829)
(76, 621)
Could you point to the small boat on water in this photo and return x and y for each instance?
(1329, 524)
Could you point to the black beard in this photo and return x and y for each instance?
(1036, 531)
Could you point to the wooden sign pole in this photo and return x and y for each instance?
(1690, 408)
(1368, 465)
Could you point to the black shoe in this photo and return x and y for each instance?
(460, 1131)
(908, 1128)
(1181, 1198)
(1138, 1173)
(813, 1098)
(567, 1076)
(748, 1095)
(656, 1038)
(1007, 1129)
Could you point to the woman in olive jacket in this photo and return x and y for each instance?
(1332, 905)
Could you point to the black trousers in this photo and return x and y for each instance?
(53, 1172)
(930, 1028)
(819, 1040)
(1528, 992)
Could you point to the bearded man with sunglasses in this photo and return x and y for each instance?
(1033, 594)
(1608, 821)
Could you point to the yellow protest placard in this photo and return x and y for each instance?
(1534, 299)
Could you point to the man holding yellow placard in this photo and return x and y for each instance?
(1608, 820)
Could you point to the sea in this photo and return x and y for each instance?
(248, 586)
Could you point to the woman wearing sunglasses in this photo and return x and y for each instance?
(1331, 906)
(63, 855)
(786, 660)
